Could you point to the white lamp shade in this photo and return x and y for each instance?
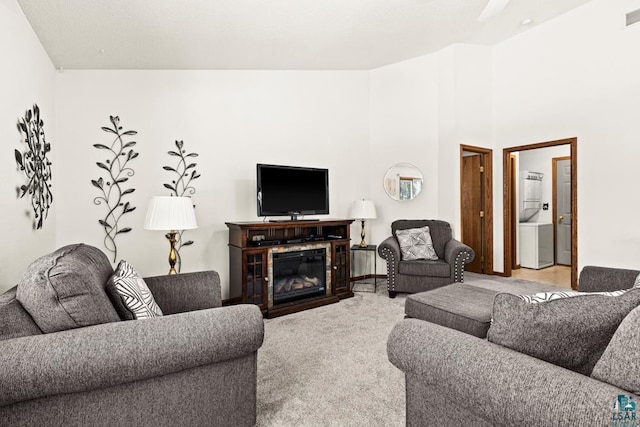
(170, 213)
(363, 209)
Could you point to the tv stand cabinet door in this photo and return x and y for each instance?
(340, 260)
(255, 278)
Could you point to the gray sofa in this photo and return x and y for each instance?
(454, 378)
(423, 275)
(194, 366)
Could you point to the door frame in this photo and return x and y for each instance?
(487, 188)
(506, 164)
(554, 208)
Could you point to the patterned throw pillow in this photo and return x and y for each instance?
(550, 296)
(416, 243)
(134, 292)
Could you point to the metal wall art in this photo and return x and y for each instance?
(35, 165)
(118, 171)
(184, 173)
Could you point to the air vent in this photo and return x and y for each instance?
(632, 18)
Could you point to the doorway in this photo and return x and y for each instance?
(476, 206)
(511, 212)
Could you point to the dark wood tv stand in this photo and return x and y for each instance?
(251, 247)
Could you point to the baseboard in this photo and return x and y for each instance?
(368, 276)
(231, 301)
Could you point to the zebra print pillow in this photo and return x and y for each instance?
(134, 292)
(549, 296)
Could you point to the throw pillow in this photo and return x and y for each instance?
(416, 243)
(135, 293)
(619, 364)
(66, 289)
(571, 332)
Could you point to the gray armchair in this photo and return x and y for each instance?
(423, 275)
(194, 366)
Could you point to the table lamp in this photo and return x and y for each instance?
(171, 214)
(362, 210)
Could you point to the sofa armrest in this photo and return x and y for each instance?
(500, 385)
(605, 279)
(457, 254)
(389, 250)
(178, 293)
(116, 353)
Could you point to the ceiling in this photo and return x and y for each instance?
(268, 34)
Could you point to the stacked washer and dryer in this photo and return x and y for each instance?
(536, 238)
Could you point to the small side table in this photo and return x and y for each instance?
(369, 248)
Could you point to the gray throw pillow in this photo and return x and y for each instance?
(135, 293)
(619, 364)
(65, 289)
(416, 243)
(571, 332)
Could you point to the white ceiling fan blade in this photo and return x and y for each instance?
(492, 8)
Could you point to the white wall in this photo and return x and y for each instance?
(577, 75)
(26, 78)
(233, 119)
(404, 129)
(464, 117)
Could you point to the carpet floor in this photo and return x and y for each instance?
(328, 366)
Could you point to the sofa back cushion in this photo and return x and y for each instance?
(619, 364)
(570, 330)
(440, 231)
(66, 289)
(14, 320)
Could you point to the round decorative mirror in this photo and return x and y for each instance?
(403, 182)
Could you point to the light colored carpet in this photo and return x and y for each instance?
(328, 366)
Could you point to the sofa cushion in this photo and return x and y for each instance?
(14, 320)
(458, 306)
(569, 332)
(136, 296)
(415, 243)
(619, 364)
(438, 268)
(65, 289)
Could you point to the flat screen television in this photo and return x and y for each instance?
(292, 191)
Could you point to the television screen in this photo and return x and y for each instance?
(292, 190)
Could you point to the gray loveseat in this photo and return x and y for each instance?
(194, 366)
(455, 378)
(423, 275)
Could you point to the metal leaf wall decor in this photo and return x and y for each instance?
(184, 173)
(35, 165)
(112, 186)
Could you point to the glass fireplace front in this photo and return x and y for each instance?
(298, 275)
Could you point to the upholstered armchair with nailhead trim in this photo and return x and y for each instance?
(423, 275)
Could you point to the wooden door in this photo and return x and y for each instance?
(472, 207)
(562, 204)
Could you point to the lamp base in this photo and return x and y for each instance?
(363, 244)
(173, 256)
